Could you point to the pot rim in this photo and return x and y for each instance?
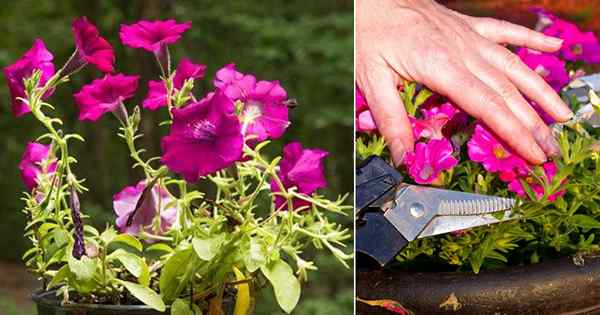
(48, 298)
(558, 286)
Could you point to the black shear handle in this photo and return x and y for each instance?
(374, 179)
(377, 240)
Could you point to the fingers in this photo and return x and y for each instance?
(500, 31)
(513, 99)
(482, 102)
(379, 88)
(527, 81)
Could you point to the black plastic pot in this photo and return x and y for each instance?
(553, 287)
(48, 304)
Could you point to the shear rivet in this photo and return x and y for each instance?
(416, 210)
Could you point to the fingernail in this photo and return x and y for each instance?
(398, 154)
(548, 143)
(554, 41)
(539, 154)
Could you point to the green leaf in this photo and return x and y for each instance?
(585, 221)
(423, 95)
(128, 240)
(176, 273)
(145, 294)
(134, 264)
(83, 268)
(62, 274)
(108, 235)
(207, 248)
(285, 284)
(183, 307)
(256, 256)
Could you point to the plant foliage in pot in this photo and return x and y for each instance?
(174, 248)
(543, 261)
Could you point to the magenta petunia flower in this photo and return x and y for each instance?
(91, 47)
(493, 154)
(429, 159)
(35, 164)
(157, 91)
(549, 170)
(36, 58)
(104, 95)
(265, 113)
(548, 66)
(187, 70)
(157, 95)
(205, 137)
(433, 121)
(157, 201)
(364, 119)
(577, 45)
(300, 168)
(152, 35)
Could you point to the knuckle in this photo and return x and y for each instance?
(511, 62)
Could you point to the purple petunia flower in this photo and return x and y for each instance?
(493, 154)
(300, 168)
(104, 95)
(91, 47)
(157, 91)
(205, 137)
(364, 119)
(577, 45)
(548, 66)
(265, 113)
(35, 164)
(429, 159)
(152, 35)
(36, 58)
(550, 170)
(433, 121)
(156, 201)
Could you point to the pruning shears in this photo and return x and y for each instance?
(390, 213)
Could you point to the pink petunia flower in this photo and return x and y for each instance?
(548, 66)
(155, 202)
(157, 91)
(493, 154)
(300, 168)
(364, 119)
(549, 171)
(433, 121)
(36, 165)
(152, 35)
(91, 47)
(104, 95)
(36, 58)
(577, 45)
(205, 137)
(429, 159)
(265, 113)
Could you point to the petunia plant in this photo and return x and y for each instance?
(172, 244)
(559, 204)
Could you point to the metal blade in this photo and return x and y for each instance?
(447, 224)
(455, 203)
(472, 204)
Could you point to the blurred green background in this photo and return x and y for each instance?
(307, 45)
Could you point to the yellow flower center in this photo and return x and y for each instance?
(499, 152)
(577, 49)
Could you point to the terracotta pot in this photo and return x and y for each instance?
(554, 287)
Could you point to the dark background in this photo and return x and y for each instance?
(307, 45)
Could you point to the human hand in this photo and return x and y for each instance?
(458, 56)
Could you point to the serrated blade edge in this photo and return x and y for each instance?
(460, 207)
